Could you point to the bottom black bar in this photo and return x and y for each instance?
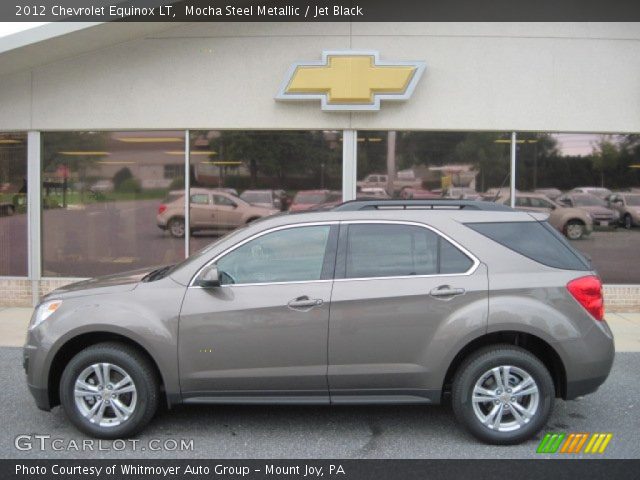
(548, 468)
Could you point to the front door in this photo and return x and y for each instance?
(227, 211)
(263, 332)
(396, 286)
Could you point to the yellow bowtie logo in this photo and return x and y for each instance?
(351, 81)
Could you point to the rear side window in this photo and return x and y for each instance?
(381, 250)
(534, 240)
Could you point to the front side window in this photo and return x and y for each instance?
(224, 201)
(380, 250)
(291, 255)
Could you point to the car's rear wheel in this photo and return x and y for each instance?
(627, 221)
(574, 229)
(109, 390)
(176, 227)
(503, 394)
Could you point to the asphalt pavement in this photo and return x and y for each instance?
(318, 432)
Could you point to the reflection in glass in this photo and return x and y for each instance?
(248, 175)
(595, 180)
(102, 194)
(13, 204)
(422, 165)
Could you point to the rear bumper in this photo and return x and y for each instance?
(578, 388)
(593, 357)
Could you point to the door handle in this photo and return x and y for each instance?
(445, 292)
(304, 303)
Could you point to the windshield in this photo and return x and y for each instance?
(588, 201)
(310, 198)
(633, 200)
(256, 197)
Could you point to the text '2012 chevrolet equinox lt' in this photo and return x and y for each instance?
(372, 302)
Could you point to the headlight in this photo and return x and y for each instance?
(616, 215)
(44, 311)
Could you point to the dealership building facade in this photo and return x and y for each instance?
(105, 126)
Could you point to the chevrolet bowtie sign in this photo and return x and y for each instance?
(351, 80)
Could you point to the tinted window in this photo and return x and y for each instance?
(400, 250)
(452, 260)
(220, 200)
(292, 255)
(533, 240)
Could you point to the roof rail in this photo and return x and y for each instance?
(431, 204)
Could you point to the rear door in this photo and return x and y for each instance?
(396, 284)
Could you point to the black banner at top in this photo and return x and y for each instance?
(319, 10)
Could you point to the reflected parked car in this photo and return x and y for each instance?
(628, 206)
(417, 194)
(599, 192)
(266, 198)
(597, 208)
(308, 199)
(574, 223)
(551, 193)
(462, 193)
(372, 192)
(209, 210)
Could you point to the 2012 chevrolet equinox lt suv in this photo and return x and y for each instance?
(371, 302)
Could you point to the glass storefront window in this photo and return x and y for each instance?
(587, 181)
(240, 176)
(423, 165)
(102, 196)
(13, 204)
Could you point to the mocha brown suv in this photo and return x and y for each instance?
(377, 301)
(210, 209)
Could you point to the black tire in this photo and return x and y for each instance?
(474, 368)
(136, 365)
(571, 229)
(627, 221)
(176, 227)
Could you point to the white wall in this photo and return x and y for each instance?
(552, 77)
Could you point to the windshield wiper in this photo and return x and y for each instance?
(157, 274)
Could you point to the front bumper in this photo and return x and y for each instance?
(39, 393)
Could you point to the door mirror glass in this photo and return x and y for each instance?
(209, 278)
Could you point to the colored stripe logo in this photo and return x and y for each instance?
(574, 443)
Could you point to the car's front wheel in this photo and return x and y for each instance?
(574, 229)
(503, 394)
(109, 390)
(628, 222)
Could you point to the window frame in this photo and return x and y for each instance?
(341, 259)
(328, 263)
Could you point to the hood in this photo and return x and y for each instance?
(120, 282)
(597, 210)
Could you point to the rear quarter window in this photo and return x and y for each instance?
(534, 240)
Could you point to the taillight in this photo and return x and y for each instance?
(162, 209)
(588, 292)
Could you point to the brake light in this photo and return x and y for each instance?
(161, 209)
(588, 292)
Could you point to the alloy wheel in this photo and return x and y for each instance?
(505, 398)
(105, 394)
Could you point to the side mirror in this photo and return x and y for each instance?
(209, 278)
